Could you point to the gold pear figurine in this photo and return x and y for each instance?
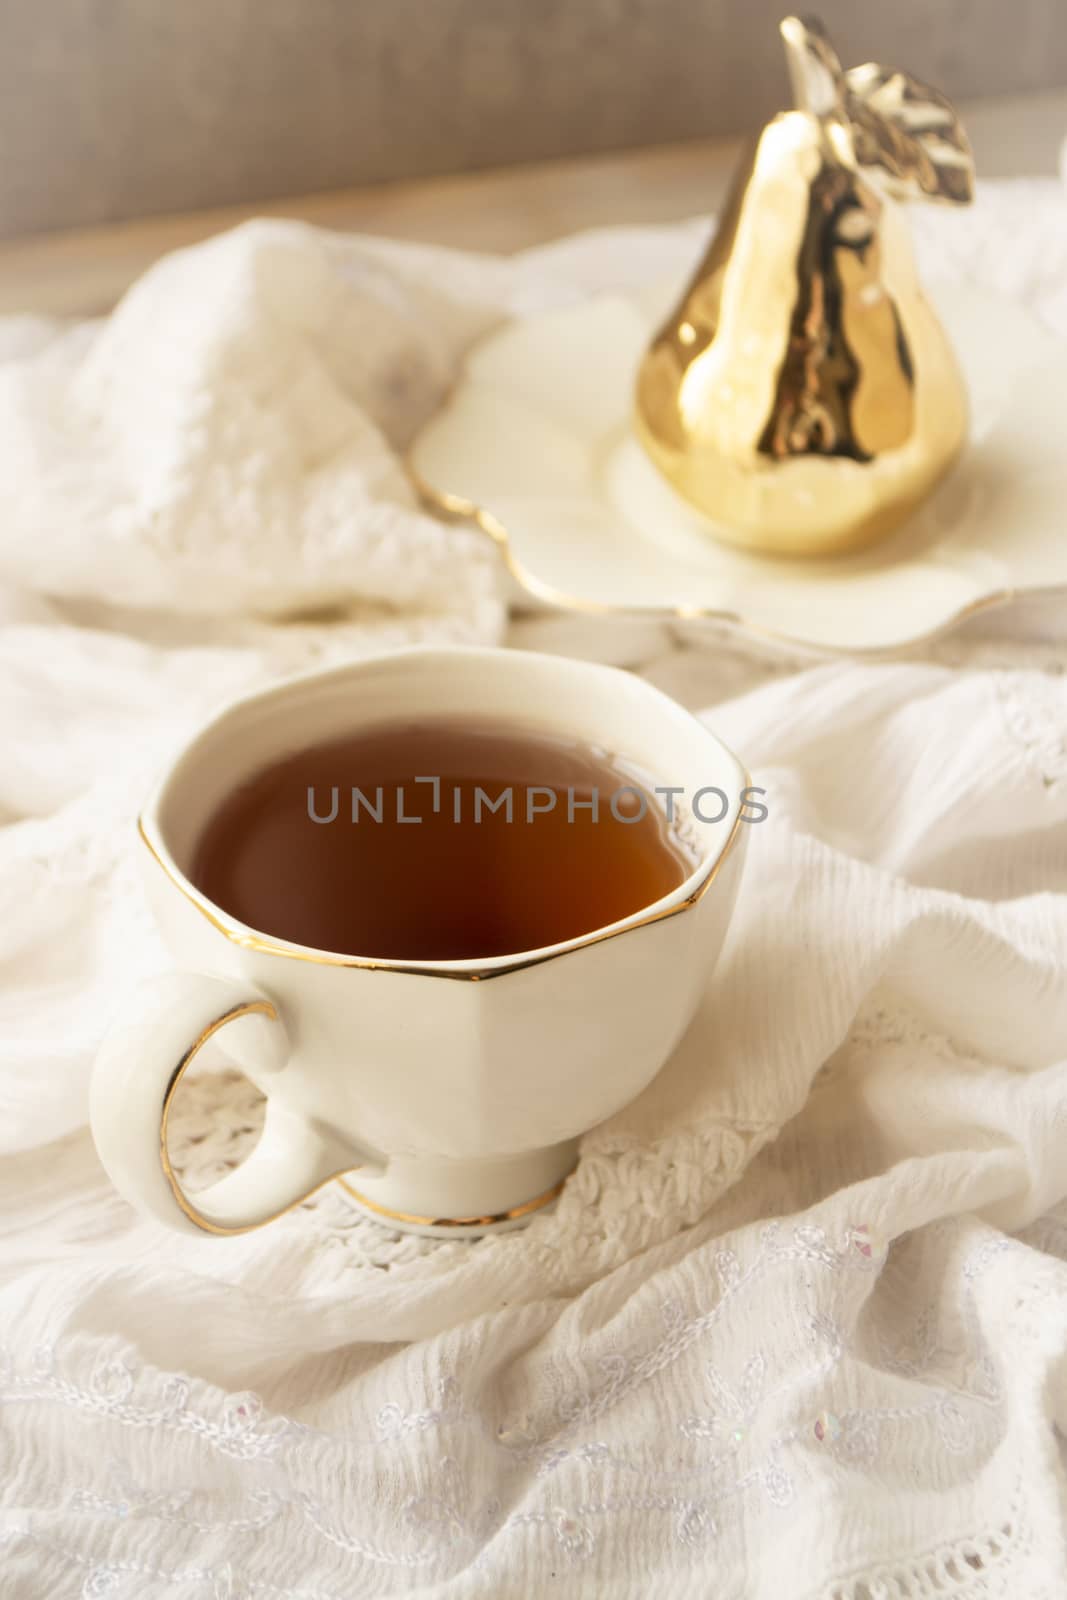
(803, 395)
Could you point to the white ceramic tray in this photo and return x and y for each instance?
(535, 445)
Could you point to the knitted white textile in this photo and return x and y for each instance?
(797, 1327)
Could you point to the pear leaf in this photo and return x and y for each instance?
(909, 134)
(906, 134)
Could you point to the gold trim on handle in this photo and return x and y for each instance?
(454, 507)
(246, 1008)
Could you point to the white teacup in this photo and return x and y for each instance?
(453, 1091)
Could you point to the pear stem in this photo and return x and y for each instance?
(814, 69)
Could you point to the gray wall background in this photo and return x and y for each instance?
(111, 109)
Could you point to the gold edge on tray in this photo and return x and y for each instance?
(457, 507)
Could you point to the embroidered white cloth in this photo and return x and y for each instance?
(798, 1325)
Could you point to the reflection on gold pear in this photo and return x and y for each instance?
(803, 393)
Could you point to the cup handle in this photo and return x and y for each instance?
(137, 1070)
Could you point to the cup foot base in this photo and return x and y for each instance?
(473, 1194)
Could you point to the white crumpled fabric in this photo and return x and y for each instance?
(798, 1325)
